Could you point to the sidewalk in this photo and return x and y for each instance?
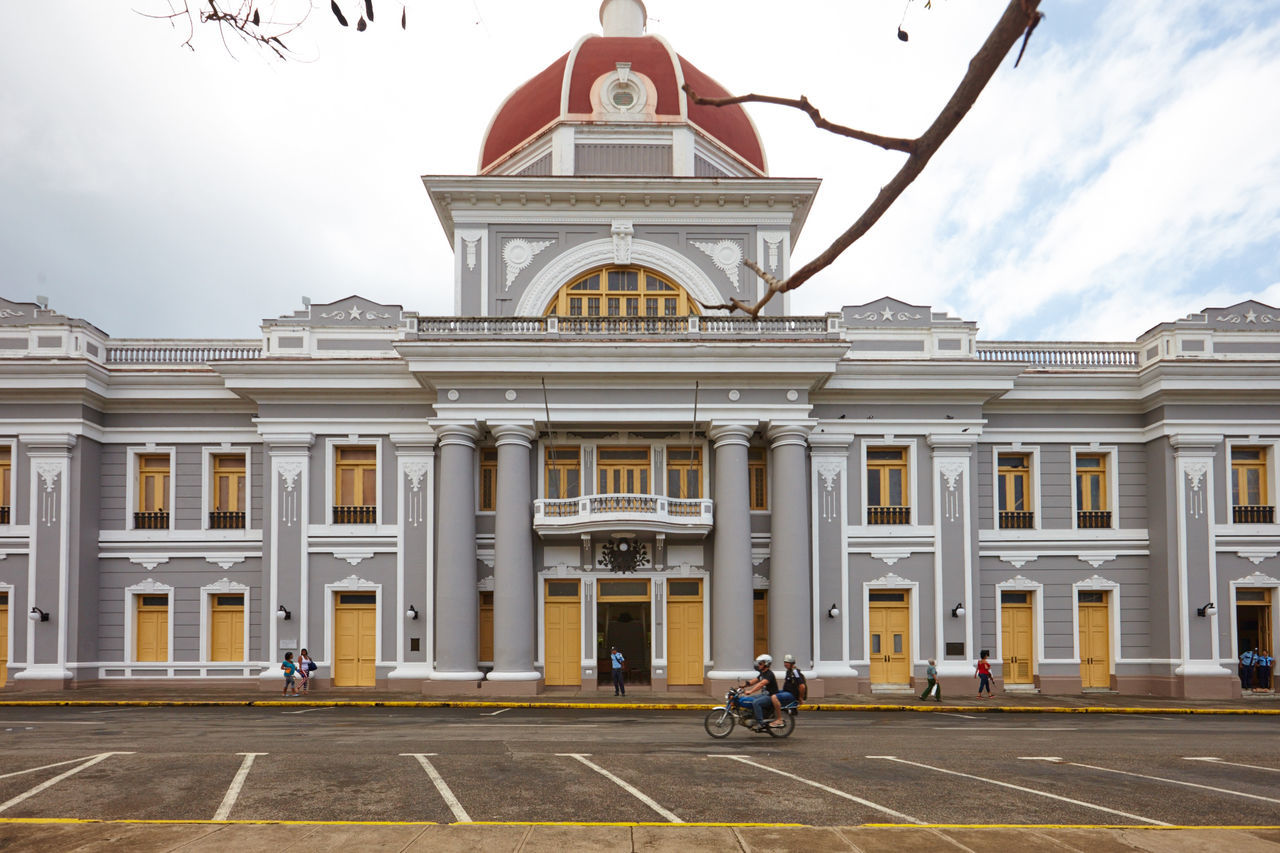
(194, 692)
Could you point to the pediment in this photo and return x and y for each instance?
(887, 312)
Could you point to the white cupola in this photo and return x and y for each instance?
(623, 18)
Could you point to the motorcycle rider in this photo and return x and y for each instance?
(794, 688)
(765, 684)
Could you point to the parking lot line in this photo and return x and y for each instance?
(450, 800)
(1024, 790)
(102, 756)
(1204, 758)
(233, 793)
(820, 786)
(46, 766)
(1176, 782)
(639, 795)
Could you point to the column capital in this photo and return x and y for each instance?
(790, 432)
(457, 432)
(1195, 445)
(722, 433)
(952, 443)
(822, 443)
(519, 432)
(46, 444)
(288, 443)
(413, 441)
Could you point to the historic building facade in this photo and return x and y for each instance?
(583, 455)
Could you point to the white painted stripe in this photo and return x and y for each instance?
(1177, 782)
(639, 795)
(1038, 758)
(51, 722)
(496, 713)
(953, 714)
(1025, 790)
(1199, 758)
(1004, 728)
(233, 793)
(459, 813)
(308, 711)
(46, 766)
(822, 787)
(103, 756)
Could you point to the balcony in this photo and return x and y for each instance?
(355, 515)
(652, 513)
(158, 520)
(222, 520)
(1093, 519)
(888, 515)
(1017, 520)
(1253, 514)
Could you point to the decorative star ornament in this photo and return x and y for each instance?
(355, 312)
(1251, 317)
(887, 313)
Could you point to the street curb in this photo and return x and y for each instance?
(614, 706)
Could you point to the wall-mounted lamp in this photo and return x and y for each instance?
(833, 612)
(958, 611)
(282, 614)
(1209, 609)
(38, 615)
(411, 613)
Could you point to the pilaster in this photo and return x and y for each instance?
(829, 508)
(953, 557)
(285, 543)
(415, 493)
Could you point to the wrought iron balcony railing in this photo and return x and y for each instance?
(888, 515)
(355, 515)
(225, 520)
(1093, 519)
(1253, 514)
(1017, 519)
(158, 520)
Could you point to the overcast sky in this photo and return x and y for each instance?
(1126, 174)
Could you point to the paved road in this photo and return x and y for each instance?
(523, 766)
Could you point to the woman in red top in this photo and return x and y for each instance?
(984, 676)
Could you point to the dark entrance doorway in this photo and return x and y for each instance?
(622, 620)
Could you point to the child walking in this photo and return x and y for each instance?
(983, 674)
(932, 687)
(290, 670)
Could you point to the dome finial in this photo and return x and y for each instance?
(623, 18)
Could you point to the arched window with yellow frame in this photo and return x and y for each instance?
(621, 292)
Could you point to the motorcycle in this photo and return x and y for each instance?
(720, 721)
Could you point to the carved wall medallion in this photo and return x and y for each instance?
(518, 254)
(622, 232)
(773, 253)
(471, 252)
(1196, 470)
(726, 255)
(829, 470)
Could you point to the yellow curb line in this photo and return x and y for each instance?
(568, 823)
(614, 706)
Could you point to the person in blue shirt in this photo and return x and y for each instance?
(1264, 662)
(290, 670)
(1246, 670)
(616, 658)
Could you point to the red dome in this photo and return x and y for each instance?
(562, 91)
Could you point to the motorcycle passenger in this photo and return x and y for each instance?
(765, 685)
(794, 688)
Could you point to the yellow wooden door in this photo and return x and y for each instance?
(4, 638)
(226, 628)
(761, 619)
(889, 649)
(684, 632)
(484, 628)
(1095, 645)
(562, 633)
(152, 628)
(1016, 643)
(355, 640)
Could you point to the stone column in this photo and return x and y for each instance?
(1197, 582)
(457, 602)
(415, 509)
(284, 530)
(790, 598)
(953, 556)
(514, 583)
(48, 560)
(731, 607)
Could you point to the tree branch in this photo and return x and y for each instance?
(891, 143)
(1018, 20)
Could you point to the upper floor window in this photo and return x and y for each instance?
(564, 472)
(1014, 488)
(355, 494)
(152, 512)
(621, 292)
(488, 495)
(6, 483)
(758, 478)
(684, 472)
(1093, 504)
(888, 498)
(228, 502)
(623, 470)
(1249, 499)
